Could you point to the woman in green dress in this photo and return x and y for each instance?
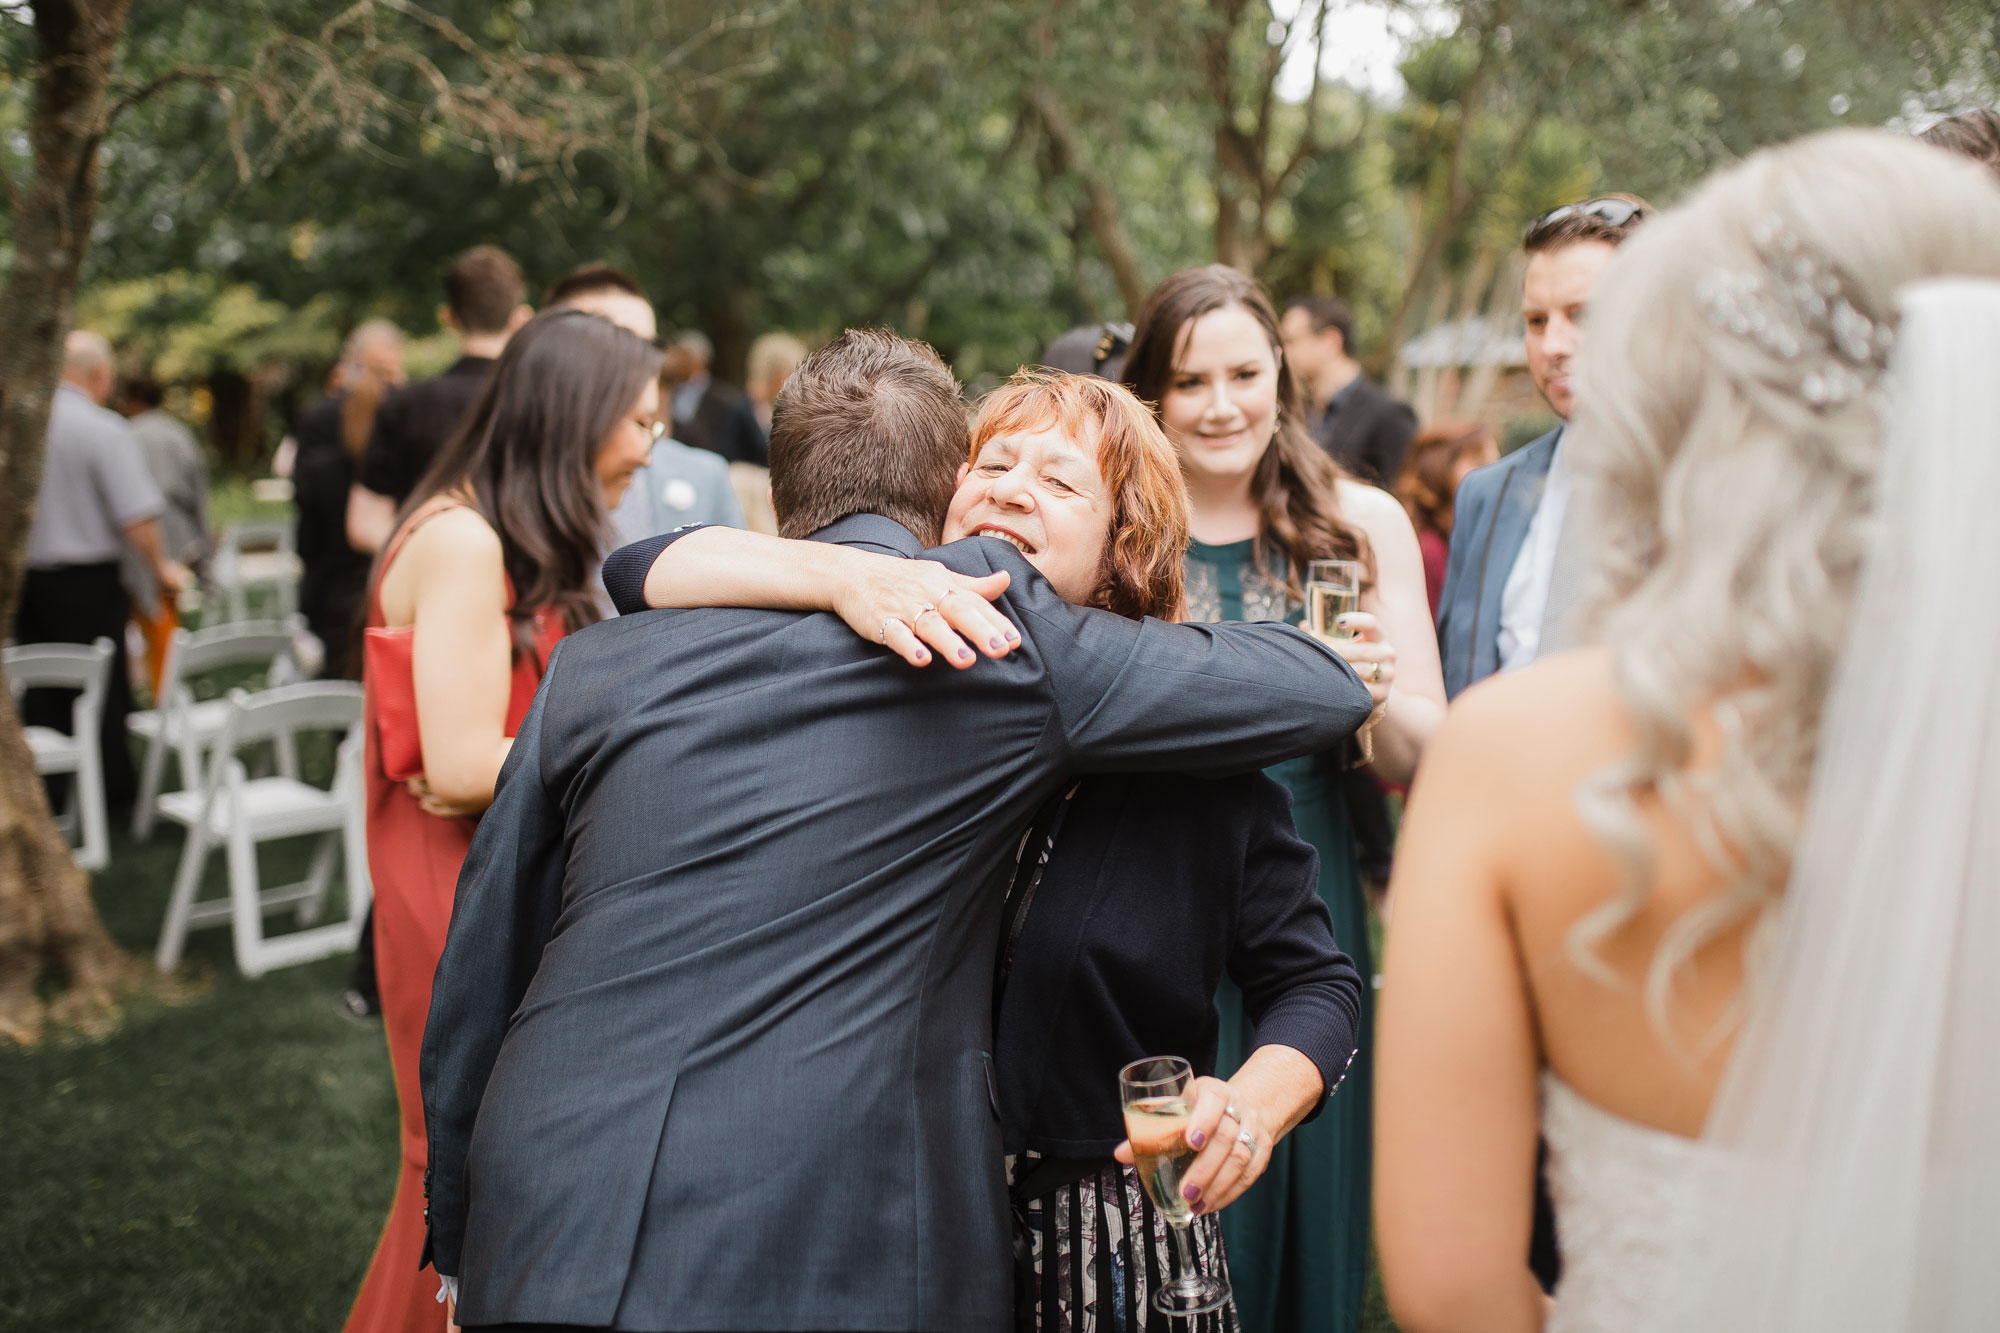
(1266, 500)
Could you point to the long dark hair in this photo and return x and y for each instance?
(527, 451)
(1295, 479)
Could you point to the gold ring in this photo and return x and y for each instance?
(1376, 674)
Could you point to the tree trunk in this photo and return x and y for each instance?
(1100, 204)
(48, 924)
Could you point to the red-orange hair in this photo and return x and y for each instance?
(1141, 572)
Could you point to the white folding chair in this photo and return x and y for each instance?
(187, 726)
(87, 670)
(256, 556)
(237, 811)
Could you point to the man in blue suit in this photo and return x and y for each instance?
(1512, 575)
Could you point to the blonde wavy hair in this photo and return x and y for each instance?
(1734, 514)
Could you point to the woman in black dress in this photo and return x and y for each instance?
(1130, 896)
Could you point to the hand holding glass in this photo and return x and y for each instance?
(1333, 588)
(1159, 1097)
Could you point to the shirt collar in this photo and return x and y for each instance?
(884, 534)
(1345, 395)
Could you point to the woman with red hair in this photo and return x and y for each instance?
(1130, 897)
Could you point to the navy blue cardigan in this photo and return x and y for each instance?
(1155, 886)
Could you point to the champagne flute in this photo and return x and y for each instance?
(1333, 588)
(1159, 1097)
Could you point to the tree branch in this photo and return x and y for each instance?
(1101, 205)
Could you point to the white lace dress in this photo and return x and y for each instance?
(1622, 1194)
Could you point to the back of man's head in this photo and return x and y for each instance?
(1327, 312)
(87, 362)
(483, 290)
(606, 291)
(869, 424)
(1976, 135)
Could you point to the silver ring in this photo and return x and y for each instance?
(1247, 1139)
(1230, 1111)
(923, 611)
(882, 635)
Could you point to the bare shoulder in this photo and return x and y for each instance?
(1546, 724)
(451, 557)
(455, 536)
(1373, 508)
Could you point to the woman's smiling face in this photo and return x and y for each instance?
(1041, 492)
(1221, 402)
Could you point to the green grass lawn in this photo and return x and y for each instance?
(219, 1164)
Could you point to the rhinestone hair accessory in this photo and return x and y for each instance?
(1797, 311)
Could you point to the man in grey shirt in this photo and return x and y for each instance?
(97, 500)
(173, 459)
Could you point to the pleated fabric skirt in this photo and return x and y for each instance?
(1091, 1251)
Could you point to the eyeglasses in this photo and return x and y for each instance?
(1611, 212)
(655, 429)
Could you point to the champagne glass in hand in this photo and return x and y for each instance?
(1159, 1097)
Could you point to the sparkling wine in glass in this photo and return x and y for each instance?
(1159, 1097)
(1333, 588)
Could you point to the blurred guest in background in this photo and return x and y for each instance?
(484, 294)
(708, 414)
(1090, 349)
(480, 579)
(1975, 134)
(773, 358)
(1440, 458)
(607, 291)
(1207, 350)
(1509, 580)
(1354, 419)
(678, 485)
(173, 459)
(97, 500)
(331, 436)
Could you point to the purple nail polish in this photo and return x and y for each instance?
(997, 644)
(1190, 1192)
(1012, 634)
(1197, 1138)
(965, 654)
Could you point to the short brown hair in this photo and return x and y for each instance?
(869, 424)
(1143, 573)
(1976, 135)
(588, 278)
(484, 288)
(1575, 223)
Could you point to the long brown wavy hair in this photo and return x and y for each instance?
(1142, 572)
(1295, 481)
(527, 450)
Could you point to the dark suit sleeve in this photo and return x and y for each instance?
(1389, 442)
(1298, 988)
(509, 894)
(381, 462)
(625, 569)
(1141, 696)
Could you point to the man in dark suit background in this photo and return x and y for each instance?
(1367, 431)
(1516, 565)
(485, 301)
(710, 1039)
(709, 414)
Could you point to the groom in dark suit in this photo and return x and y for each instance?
(1516, 565)
(709, 1047)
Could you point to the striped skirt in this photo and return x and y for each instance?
(1090, 1250)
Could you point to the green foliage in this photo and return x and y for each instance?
(813, 165)
(189, 326)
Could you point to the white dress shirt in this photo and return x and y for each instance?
(1526, 594)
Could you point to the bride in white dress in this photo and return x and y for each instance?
(1714, 905)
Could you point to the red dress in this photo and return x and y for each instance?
(414, 859)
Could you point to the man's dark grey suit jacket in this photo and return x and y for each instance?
(708, 1047)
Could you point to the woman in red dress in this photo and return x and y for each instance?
(493, 560)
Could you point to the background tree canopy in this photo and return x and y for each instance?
(981, 176)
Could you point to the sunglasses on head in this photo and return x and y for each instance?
(1611, 212)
